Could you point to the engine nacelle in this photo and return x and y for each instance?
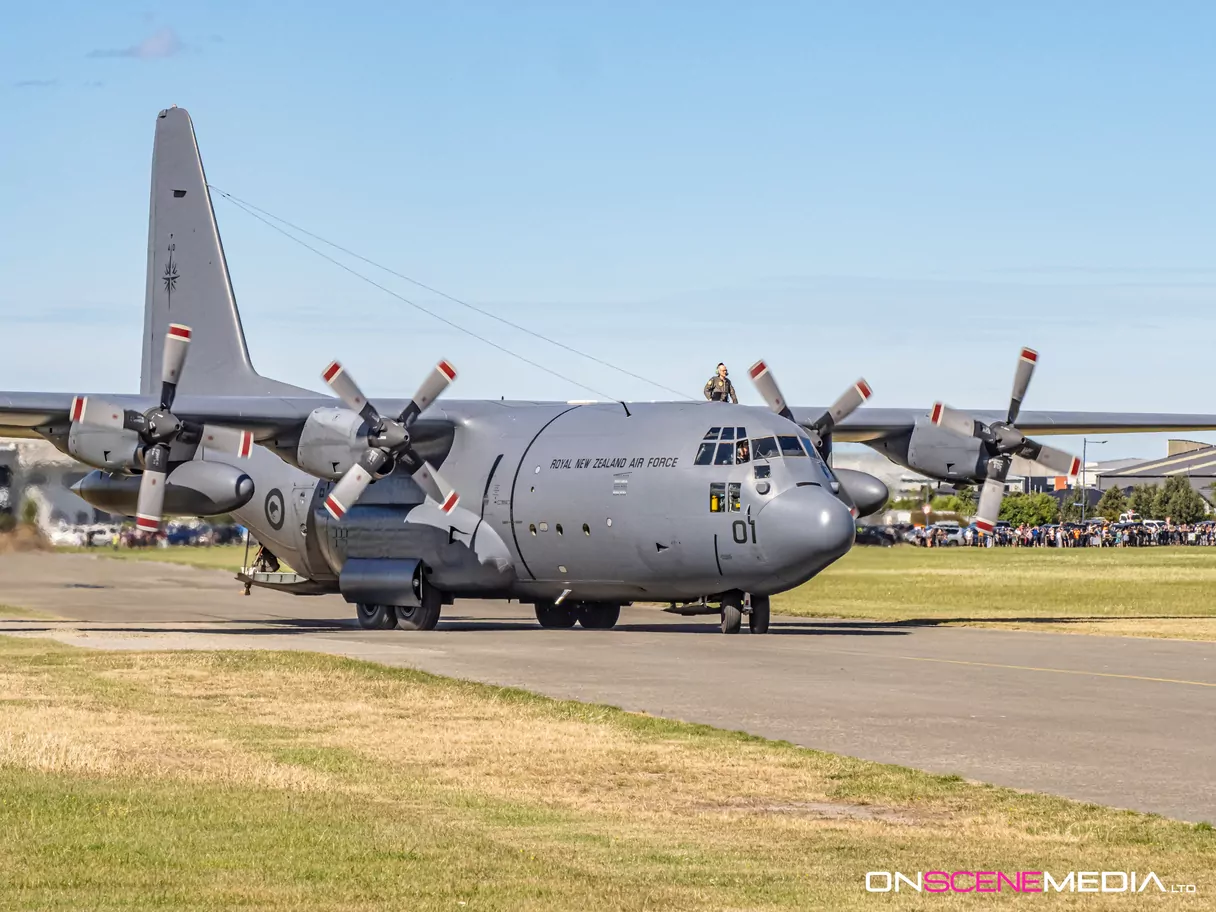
(868, 493)
(192, 489)
(331, 441)
(937, 453)
(104, 448)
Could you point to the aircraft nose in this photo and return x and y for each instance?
(805, 529)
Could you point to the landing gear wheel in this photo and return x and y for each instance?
(757, 621)
(375, 617)
(732, 613)
(424, 616)
(558, 617)
(599, 615)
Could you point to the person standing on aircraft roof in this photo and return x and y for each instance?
(719, 388)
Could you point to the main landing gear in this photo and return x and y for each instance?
(591, 615)
(418, 617)
(734, 607)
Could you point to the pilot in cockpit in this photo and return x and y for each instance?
(742, 452)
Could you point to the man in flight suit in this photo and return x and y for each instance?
(719, 388)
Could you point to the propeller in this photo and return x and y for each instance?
(388, 441)
(820, 429)
(1003, 441)
(158, 428)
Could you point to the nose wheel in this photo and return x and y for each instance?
(734, 607)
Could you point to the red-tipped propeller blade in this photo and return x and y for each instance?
(953, 419)
(1021, 381)
(766, 386)
(849, 402)
(149, 508)
(227, 440)
(97, 413)
(436, 488)
(346, 389)
(989, 511)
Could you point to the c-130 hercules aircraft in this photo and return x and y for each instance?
(575, 508)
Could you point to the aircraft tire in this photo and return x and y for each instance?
(424, 616)
(757, 621)
(554, 617)
(732, 613)
(375, 617)
(599, 615)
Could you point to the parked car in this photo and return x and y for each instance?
(874, 535)
(954, 532)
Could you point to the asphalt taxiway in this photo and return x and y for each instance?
(1116, 720)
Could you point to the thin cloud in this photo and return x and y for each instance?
(157, 46)
(36, 84)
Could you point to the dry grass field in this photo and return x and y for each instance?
(297, 781)
(1121, 591)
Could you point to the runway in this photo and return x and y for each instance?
(1119, 721)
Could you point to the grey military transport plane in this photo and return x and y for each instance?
(575, 508)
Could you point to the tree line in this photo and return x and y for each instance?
(1175, 500)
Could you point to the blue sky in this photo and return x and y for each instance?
(905, 191)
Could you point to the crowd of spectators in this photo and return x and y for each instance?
(1093, 534)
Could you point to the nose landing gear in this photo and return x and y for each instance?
(735, 605)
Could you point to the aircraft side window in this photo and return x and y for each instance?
(726, 454)
(705, 455)
(742, 451)
(763, 471)
(791, 447)
(765, 448)
(810, 447)
(712, 434)
(728, 433)
(717, 497)
(732, 499)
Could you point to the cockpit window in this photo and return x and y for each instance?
(790, 446)
(726, 454)
(712, 434)
(810, 447)
(742, 451)
(728, 433)
(765, 448)
(705, 455)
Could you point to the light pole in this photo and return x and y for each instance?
(1085, 442)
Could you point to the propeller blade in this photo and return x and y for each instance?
(350, 487)
(177, 345)
(1021, 381)
(436, 488)
(989, 511)
(846, 405)
(346, 389)
(1056, 460)
(149, 508)
(431, 389)
(955, 420)
(227, 440)
(97, 413)
(767, 387)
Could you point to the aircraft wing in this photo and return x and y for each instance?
(21, 414)
(868, 424)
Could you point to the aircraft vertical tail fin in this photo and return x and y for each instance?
(188, 278)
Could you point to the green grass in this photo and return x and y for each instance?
(221, 557)
(297, 781)
(1150, 591)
